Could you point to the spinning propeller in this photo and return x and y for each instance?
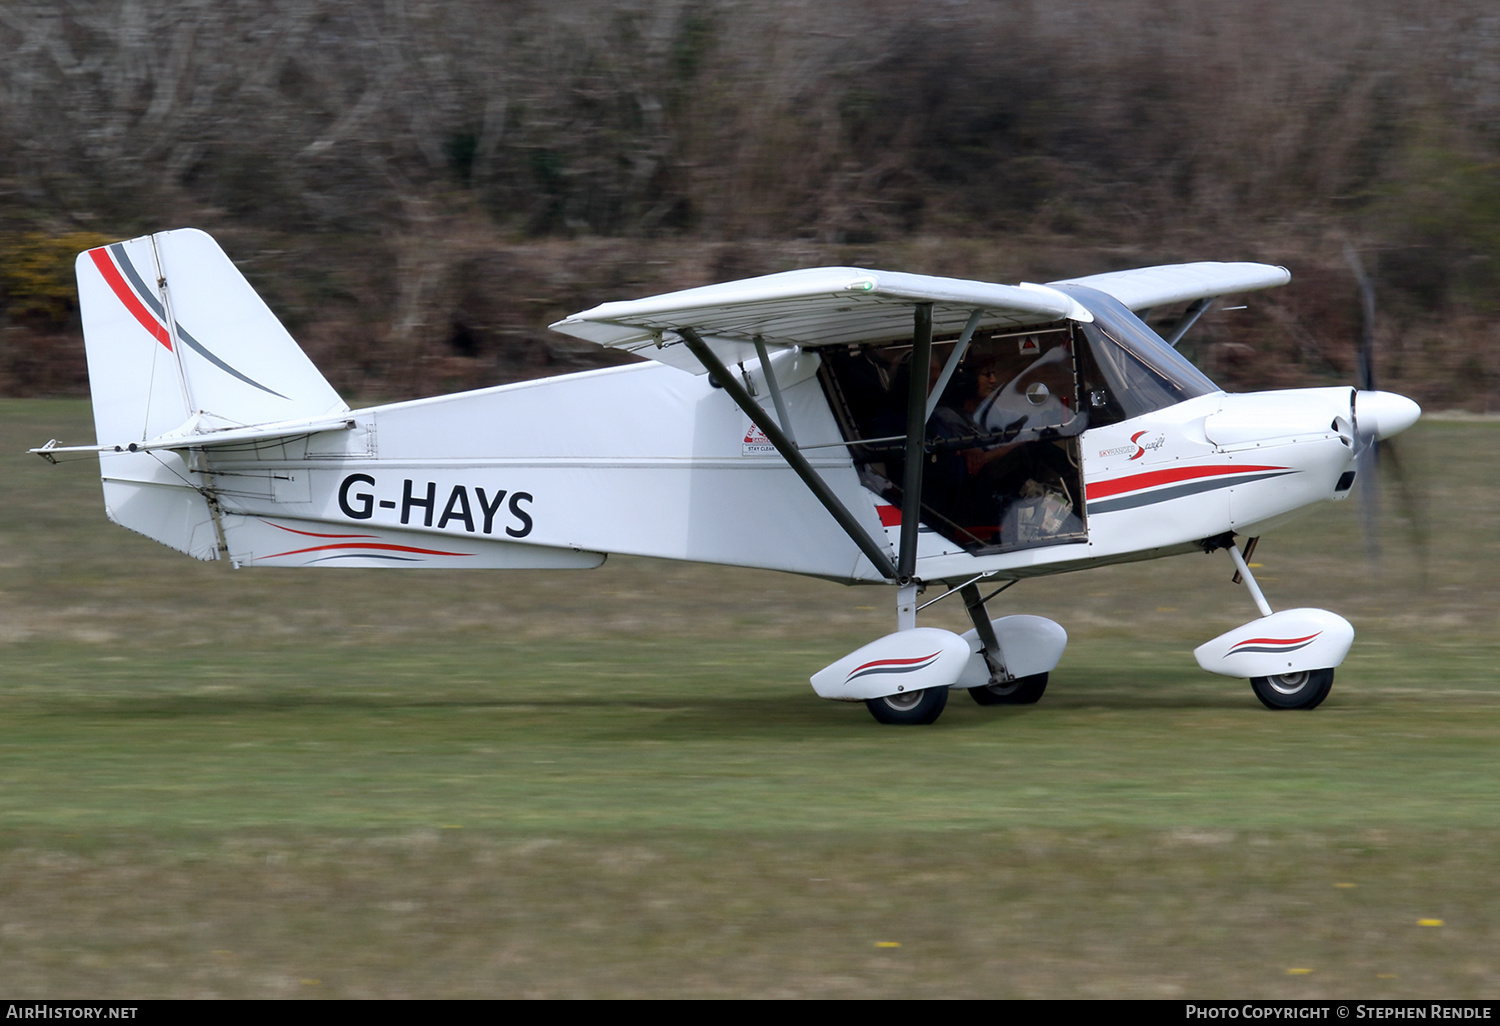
(1378, 416)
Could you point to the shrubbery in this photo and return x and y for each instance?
(424, 185)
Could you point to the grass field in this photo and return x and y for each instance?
(619, 783)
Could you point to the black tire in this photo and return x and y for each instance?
(909, 707)
(1305, 689)
(1021, 691)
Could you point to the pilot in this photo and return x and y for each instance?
(1031, 400)
(1014, 479)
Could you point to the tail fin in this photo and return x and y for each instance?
(179, 343)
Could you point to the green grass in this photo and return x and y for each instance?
(619, 783)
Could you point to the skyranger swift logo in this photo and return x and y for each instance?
(1138, 449)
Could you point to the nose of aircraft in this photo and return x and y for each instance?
(1384, 413)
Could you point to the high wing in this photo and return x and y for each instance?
(820, 306)
(711, 328)
(1146, 287)
(828, 306)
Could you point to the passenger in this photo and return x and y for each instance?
(946, 485)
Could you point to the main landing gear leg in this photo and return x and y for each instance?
(1003, 688)
(906, 607)
(909, 707)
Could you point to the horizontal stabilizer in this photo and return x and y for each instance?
(192, 437)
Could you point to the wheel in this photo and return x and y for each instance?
(1302, 690)
(909, 707)
(1021, 691)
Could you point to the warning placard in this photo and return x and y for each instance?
(755, 442)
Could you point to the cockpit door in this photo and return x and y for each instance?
(1003, 467)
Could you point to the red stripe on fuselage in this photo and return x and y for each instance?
(126, 295)
(367, 545)
(314, 534)
(1152, 478)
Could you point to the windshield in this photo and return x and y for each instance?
(1132, 371)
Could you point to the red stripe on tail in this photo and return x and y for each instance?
(128, 297)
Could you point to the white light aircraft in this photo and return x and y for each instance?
(868, 427)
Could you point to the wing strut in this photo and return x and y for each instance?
(795, 459)
(1188, 319)
(959, 348)
(916, 432)
(770, 376)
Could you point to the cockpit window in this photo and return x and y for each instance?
(1132, 371)
(1001, 452)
